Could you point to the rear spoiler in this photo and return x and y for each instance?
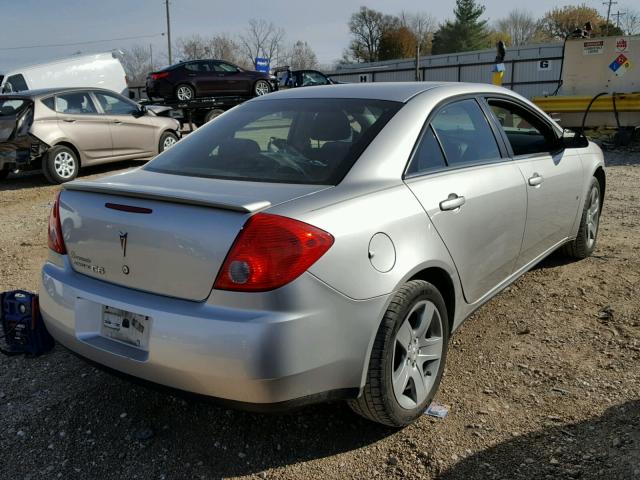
(165, 195)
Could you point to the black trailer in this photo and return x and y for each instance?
(199, 110)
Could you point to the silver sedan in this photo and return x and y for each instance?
(318, 244)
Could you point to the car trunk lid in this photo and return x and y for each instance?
(159, 233)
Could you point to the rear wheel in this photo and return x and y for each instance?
(185, 92)
(408, 357)
(60, 165)
(167, 140)
(212, 114)
(261, 87)
(585, 243)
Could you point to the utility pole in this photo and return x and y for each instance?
(150, 57)
(617, 15)
(166, 3)
(418, 61)
(609, 4)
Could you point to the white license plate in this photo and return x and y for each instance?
(127, 327)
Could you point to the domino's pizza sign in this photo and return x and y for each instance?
(262, 65)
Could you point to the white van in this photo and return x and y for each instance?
(102, 70)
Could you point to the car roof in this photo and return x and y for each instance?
(392, 91)
(43, 92)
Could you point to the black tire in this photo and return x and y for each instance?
(4, 173)
(262, 86)
(162, 146)
(212, 114)
(49, 167)
(187, 88)
(378, 401)
(584, 244)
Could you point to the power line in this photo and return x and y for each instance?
(82, 43)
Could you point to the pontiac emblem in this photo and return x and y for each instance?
(123, 243)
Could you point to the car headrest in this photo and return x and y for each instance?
(330, 127)
(238, 147)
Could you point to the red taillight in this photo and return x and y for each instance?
(56, 240)
(159, 75)
(271, 251)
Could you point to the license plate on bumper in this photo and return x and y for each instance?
(126, 327)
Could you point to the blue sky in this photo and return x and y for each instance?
(321, 23)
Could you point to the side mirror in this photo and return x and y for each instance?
(571, 139)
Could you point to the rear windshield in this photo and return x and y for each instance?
(306, 140)
(11, 106)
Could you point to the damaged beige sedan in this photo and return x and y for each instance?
(61, 130)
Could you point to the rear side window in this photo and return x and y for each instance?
(527, 134)
(50, 102)
(222, 67)
(465, 134)
(428, 156)
(15, 83)
(198, 67)
(304, 140)
(75, 103)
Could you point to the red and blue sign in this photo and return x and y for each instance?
(618, 62)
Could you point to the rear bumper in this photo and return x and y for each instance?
(304, 342)
(21, 152)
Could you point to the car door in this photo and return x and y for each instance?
(475, 198)
(552, 174)
(232, 79)
(202, 76)
(133, 134)
(83, 126)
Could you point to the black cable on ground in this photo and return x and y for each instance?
(564, 44)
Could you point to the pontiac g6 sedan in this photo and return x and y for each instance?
(318, 243)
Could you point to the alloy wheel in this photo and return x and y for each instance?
(184, 93)
(168, 143)
(64, 165)
(593, 217)
(262, 88)
(418, 349)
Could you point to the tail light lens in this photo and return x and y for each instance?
(159, 75)
(56, 240)
(271, 251)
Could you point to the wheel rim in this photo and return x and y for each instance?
(184, 93)
(593, 216)
(64, 164)
(262, 88)
(417, 352)
(168, 142)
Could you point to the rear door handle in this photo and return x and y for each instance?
(117, 122)
(68, 120)
(535, 180)
(452, 202)
(191, 74)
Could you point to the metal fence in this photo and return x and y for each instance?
(529, 70)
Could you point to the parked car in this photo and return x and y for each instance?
(100, 70)
(319, 243)
(287, 78)
(60, 130)
(202, 78)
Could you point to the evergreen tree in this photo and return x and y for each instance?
(466, 32)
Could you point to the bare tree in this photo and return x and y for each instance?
(261, 39)
(302, 57)
(137, 63)
(630, 22)
(223, 47)
(367, 27)
(195, 47)
(520, 26)
(422, 25)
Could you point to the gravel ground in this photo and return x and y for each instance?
(542, 382)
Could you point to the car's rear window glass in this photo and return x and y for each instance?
(11, 106)
(465, 134)
(305, 140)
